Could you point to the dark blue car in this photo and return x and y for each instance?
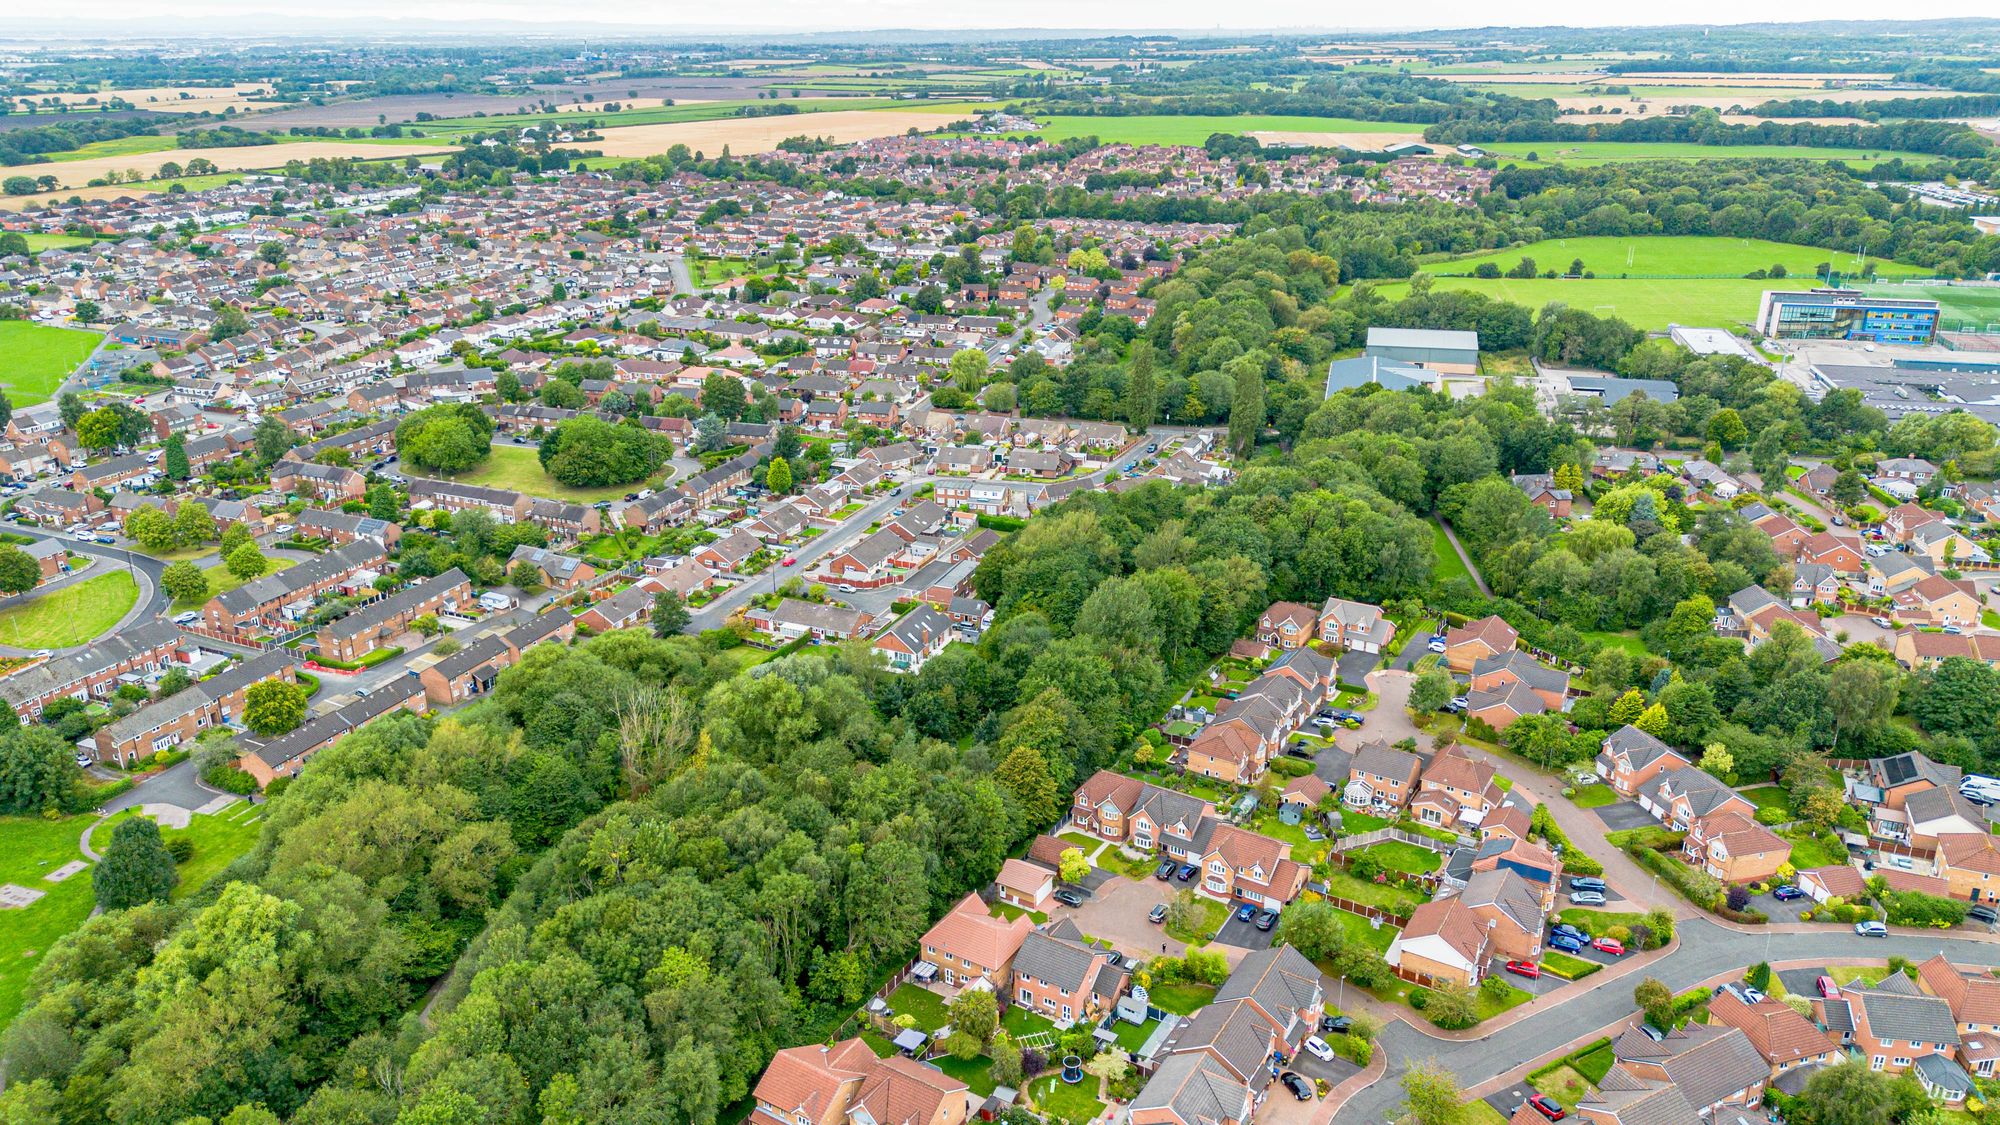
(1787, 893)
(1245, 912)
(1565, 943)
(1187, 872)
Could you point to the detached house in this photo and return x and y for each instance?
(970, 944)
(1734, 848)
(845, 1084)
(917, 636)
(1287, 625)
(1784, 1039)
(1355, 626)
(1974, 1000)
(1381, 778)
(1058, 975)
(1682, 796)
(1474, 641)
(1443, 940)
(1630, 758)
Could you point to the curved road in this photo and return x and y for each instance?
(1704, 949)
(153, 600)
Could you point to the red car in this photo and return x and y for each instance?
(1526, 969)
(1609, 945)
(790, 560)
(1548, 1107)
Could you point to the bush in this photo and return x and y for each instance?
(181, 848)
(1420, 998)
(1772, 816)
(230, 779)
(1739, 898)
(1914, 908)
(1698, 887)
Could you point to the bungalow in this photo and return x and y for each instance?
(1915, 470)
(1476, 640)
(557, 571)
(868, 563)
(729, 552)
(914, 638)
(622, 610)
(792, 618)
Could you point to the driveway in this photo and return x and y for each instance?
(1245, 935)
(1416, 649)
(1533, 986)
(1861, 629)
(1334, 1071)
(1801, 982)
(1355, 666)
(1782, 911)
(1510, 1099)
(1116, 911)
(1624, 815)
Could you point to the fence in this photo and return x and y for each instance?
(1398, 835)
(1374, 913)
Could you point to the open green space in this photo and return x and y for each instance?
(1059, 1099)
(1449, 565)
(30, 848)
(1589, 153)
(1177, 129)
(921, 1003)
(1492, 1004)
(221, 581)
(644, 115)
(70, 615)
(40, 242)
(1627, 641)
(1641, 302)
(1961, 307)
(119, 146)
(1767, 797)
(517, 467)
(36, 358)
(1676, 256)
(1594, 797)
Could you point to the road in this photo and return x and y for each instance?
(1705, 949)
(146, 570)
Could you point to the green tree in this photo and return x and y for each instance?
(98, 430)
(1246, 407)
(1849, 1093)
(1314, 929)
(273, 707)
(382, 502)
(151, 528)
(1140, 395)
(447, 439)
(975, 1011)
(1726, 428)
(136, 867)
(779, 477)
(247, 562)
(670, 614)
(19, 572)
(1431, 691)
(185, 582)
(1025, 776)
(1861, 694)
(1074, 867)
(1656, 1000)
(1431, 1096)
(37, 773)
(193, 525)
(175, 459)
(968, 369)
(234, 537)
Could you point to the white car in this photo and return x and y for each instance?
(84, 761)
(188, 618)
(284, 529)
(1317, 1048)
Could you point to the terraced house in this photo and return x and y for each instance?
(276, 600)
(376, 624)
(185, 715)
(92, 672)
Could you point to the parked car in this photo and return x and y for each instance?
(1158, 914)
(284, 529)
(1300, 1088)
(1786, 892)
(1753, 995)
(1586, 898)
(1565, 943)
(1317, 1048)
(846, 587)
(1612, 946)
(1436, 643)
(1587, 883)
(1548, 1107)
(1525, 969)
(1335, 1025)
(1266, 920)
(1456, 705)
(1871, 929)
(790, 560)
(1113, 958)
(188, 618)
(1565, 930)
(1883, 622)
(84, 761)
(1069, 896)
(1980, 912)
(1165, 870)
(1187, 872)
(1826, 986)
(1952, 631)
(1246, 912)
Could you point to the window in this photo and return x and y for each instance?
(1027, 997)
(1876, 1063)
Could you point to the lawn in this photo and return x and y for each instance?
(1588, 153)
(1057, 1098)
(1010, 912)
(1176, 129)
(1477, 1112)
(1407, 858)
(1595, 797)
(1644, 303)
(1213, 915)
(1086, 844)
(1595, 922)
(36, 358)
(30, 848)
(1490, 1006)
(40, 242)
(1182, 999)
(1680, 256)
(1354, 823)
(1132, 1036)
(70, 615)
(1558, 963)
(220, 581)
(1627, 641)
(1020, 1021)
(1361, 931)
(1595, 1063)
(1449, 565)
(1384, 896)
(1810, 851)
(218, 842)
(976, 1072)
(1564, 1084)
(926, 1006)
(1843, 975)
(517, 467)
(1768, 797)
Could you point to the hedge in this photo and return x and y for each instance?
(1291, 767)
(1575, 860)
(1698, 887)
(1570, 1060)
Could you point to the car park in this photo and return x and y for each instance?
(1586, 898)
(1300, 1088)
(1068, 896)
(1612, 946)
(1786, 892)
(1525, 969)
(1871, 929)
(1158, 914)
(1548, 1107)
(1317, 1048)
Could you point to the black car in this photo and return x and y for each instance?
(1166, 870)
(1186, 873)
(1335, 1025)
(1982, 913)
(1069, 896)
(1266, 920)
(1300, 1088)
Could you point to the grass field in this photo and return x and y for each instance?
(1644, 304)
(1584, 153)
(517, 467)
(1626, 641)
(1449, 565)
(1181, 999)
(1407, 858)
(650, 115)
(36, 358)
(1175, 129)
(71, 615)
(118, 146)
(40, 242)
(30, 848)
(1595, 797)
(1964, 307)
(1681, 256)
(221, 581)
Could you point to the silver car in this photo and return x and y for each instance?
(1586, 898)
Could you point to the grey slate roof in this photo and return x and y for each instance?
(1195, 1088)
(1280, 980)
(1893, 1013)
(1233, 1031)
(1064, 964)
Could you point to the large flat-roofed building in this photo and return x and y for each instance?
(1709, 341)
(1426, 347)
(1931, 385)
(1844, 314)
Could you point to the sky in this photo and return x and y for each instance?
(848, 15)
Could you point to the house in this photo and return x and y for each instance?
(1355, 626)
(94, 671)
(1443, 940)
(338, 527)
(1969, 862)
(1711, 1066)
(1058, 975)
(1381, 778)
(1734, 848)
(793, 618)
(1492, 673)
(1192, 1088)
(50, 555)
(1915, 470)
(1841, 553)
(911, 641)
(845, 1084)
(1510, 909)
(324, 483)
(281, 598)
(1784, 1039)
(556, 571)
(1893, 1023)
(469, 672)
(1943, 545)
(1974, 1000)
(1679, 797)
(1455, 791)
(622, 610)
(1498, 707)
(1237, 747)
(287, 754)
(970, 944)
(1814, 584)
(1630, 758)
(1286, 625)
(1937, 600)
(1120, 809)
(375, 625)
(1541, 490)
(1891, 782)
(1476, 640)
(1929, 815)
(1840, 880)
(868, 563)
(729, 552)
(1276, 989)
(1240, 866)
(1029, 886)
(181, 718)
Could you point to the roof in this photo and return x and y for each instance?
(970, 932)
(1423, 338)
(1278, 980)
(1450, 920)
(1064, 964)
(1894, 1010)
(808, 1079)
(1781, 1035)
(1196, 1089)
(1838, 879)
(1496, 633)
(903, 1091)
(1235, 1032)
(1524, 668)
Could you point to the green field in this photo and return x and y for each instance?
(1585, 153)
(220, 581)
(118, 146)
(1449, 565)
(646, 115)
(1677, 256)
(40, 242)
(36, 358)
(517, 467)
(1174, 129)
(71, 615)
(1645, 304)
(1965, 307)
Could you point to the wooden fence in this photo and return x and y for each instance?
(1397, 835)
